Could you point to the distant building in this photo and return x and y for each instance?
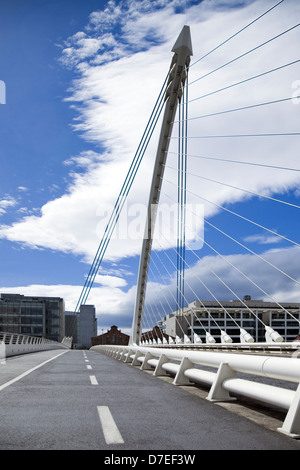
(230, 316)
(112, 336)
(155, 334)
(33, 316)
(82, 326)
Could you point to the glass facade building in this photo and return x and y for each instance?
(34, 316)
(251, 315)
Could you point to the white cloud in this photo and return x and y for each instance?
(114, 302)
(110, 281)
(6, 203)
(262, 239)
(114, 100)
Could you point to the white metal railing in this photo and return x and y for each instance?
(12, 344)
(185, 366)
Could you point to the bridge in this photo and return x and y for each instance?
(192, 389)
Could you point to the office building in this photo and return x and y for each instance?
(230, 316)
(82, 326)
(33, 316)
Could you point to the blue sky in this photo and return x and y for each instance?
(81, 80)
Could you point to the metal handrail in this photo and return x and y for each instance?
(13, 344)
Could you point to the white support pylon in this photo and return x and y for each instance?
(177, 76)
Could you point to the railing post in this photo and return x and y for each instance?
(145, 365)
(159, 370)
(291, 424)
(180, 379)
(128, 358)
(135, 361)
(217, 392)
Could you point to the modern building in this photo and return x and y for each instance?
(33, 316)
(230, 316)
(112, 336)
(81, 326)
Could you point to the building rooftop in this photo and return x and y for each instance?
(241, 303)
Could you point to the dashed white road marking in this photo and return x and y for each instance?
(110, 430)
(93, 380)
(89, 367)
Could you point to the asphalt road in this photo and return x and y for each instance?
(77, 400)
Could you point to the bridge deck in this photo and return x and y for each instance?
(58, 405)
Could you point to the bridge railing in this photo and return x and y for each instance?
(191, 366)
(12, 344)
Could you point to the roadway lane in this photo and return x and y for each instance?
(85, 400)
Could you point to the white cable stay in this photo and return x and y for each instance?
(240, 162)
(258, 287)
(239, 215)
(246, 80)
(170, 291)
(240, 272)
(224, 336)
(239, 189)
(242, 108)
(175, 300)
(246, 53)
(237, 33)
(212, 294)
(259, 256)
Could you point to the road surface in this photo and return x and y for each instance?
(83, 400)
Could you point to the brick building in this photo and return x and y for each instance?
(112, 336)
(155, 334)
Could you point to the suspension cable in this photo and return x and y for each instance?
(246, 80)
(122, 196)
(238, 32)
(245, 53)
(243, 108)
(240, 189)
(240, 162)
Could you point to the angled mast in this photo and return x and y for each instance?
(177, 76)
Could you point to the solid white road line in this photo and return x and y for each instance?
(29, 371)
(93, 380)
(111, 432)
